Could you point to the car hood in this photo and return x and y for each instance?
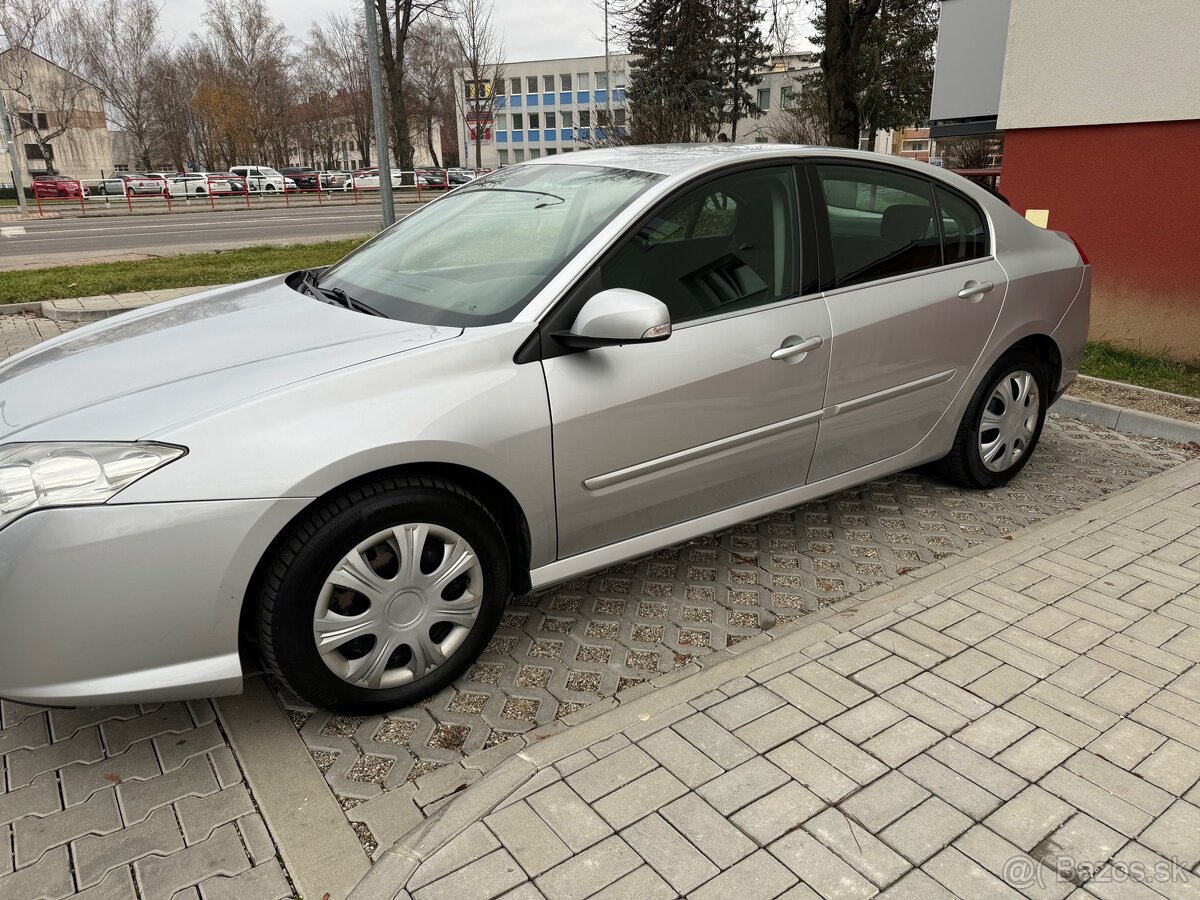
(142, 371)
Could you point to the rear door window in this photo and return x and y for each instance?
(964, 230)
(881, 223)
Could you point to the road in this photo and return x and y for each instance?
(37, 243)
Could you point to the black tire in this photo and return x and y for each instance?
(964, 464)
(306, 556)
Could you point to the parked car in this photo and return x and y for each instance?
(263, 179)
(432, 178)
(306, 177)
(53, 186)
(198, 184)
(237, 184)
(120, 185)
(368, 180)
(333, 179)
(571, 362)
(461, 176)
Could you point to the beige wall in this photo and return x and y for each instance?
(1100, 62)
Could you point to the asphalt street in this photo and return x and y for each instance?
(36, 243)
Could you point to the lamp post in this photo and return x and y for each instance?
(381, 139)
(6, 135)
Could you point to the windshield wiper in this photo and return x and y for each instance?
(335, 296)
(481, 190)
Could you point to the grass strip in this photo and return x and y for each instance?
(188, 270)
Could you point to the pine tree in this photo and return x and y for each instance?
(744, 54)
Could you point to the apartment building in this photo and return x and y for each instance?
(551, 106)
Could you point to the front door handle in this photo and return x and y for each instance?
(975, 289)
(788, 351)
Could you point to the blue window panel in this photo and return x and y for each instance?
(600, 96)
(565, 98)
(599, 134)
(514, 101)
(531, 100)
(582, 97)
(518, 137)
(501, 137)
(498, 102)
(547, 99)
(585, 134)
(533, 135)
(619, 95)
(548, 134)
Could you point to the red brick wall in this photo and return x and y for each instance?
(1130, 194)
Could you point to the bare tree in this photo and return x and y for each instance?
(397, 19)
(432, 60)
(171, 115)
(481, 48)
(341, 45)
(802, 118)
(43, 98)
(975, 152)
(250, 49)
(118, 43)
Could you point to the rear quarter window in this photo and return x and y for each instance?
(964, 229)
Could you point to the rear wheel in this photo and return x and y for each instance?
(384, 595)
(1002, 424)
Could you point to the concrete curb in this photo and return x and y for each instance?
(640, 706)
(1131, 421)
(1125, 385)
(52, 312)
(12, 309)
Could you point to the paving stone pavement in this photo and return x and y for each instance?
(1025, 722)
(20, 331)
(102, 802)
(561, 650)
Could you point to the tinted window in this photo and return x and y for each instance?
(728, 245)
(881, 223)
(964, 233)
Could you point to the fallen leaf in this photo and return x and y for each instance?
(113, 777)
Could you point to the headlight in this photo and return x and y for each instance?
(36, 476)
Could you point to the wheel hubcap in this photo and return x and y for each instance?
(1009, 420)
(398, 605)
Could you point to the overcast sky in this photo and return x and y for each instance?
(533, 29)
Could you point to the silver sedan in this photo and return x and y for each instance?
(561, 365)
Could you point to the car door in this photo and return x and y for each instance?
(913, 292)
(723, 412)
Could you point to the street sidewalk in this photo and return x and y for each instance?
(1025, 722)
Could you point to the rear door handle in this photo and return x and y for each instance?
(787, 351)
(975, 289)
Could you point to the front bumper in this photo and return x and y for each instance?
(129, 603)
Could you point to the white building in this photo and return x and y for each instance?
(550, 106)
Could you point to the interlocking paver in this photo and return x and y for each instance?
(882, 802)
(671, 855)
(585, 874)
(744, 707)
(964, 878)
(925, 708)
(976, 768)
(1173, 767)
(903, 741)
(1118, 782)
(48, 878)
(34, 836)
(994, 731)
(26, 765)
(610, 773)
(474, 843)
(96, 856)
(81, 780)
(222, 854)
(925, 829)
(713, 741)
(757, 877)
(1005, 861)
(866, 720)
(1036, 754)
(961, 793)
(40, 798)
(640, 884)
(1097, 802)
(774, 815)
(487, 878)
(774, 728)
(1126, 744)
(121, 734)
(843, 755)
(708, 830)
(140, 798)
(819, 867)
(1176, 834)
(30, 734)
(644, 795)
(200, 816)
(866, 853)
(572, 819)
(814, 773)
(679, 757)
(1079, 847)
(265, 882)
(528, 838)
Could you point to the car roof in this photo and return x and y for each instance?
(679, 159)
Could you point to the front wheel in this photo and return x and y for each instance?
(1002, 424)
(384, 595)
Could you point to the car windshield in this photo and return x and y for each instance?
(269, 173)
(481, 253)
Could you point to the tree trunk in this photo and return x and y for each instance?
(844, 33)
(429, 141)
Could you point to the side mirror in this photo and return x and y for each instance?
(618, 316)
